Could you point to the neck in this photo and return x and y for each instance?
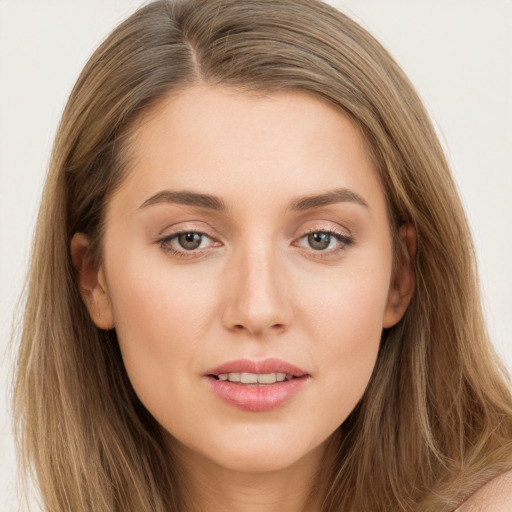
(212, 487)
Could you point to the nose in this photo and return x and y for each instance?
(257, 298)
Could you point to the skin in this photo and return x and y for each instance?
(496, 495)
(255, 288)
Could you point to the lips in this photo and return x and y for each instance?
(256, 386)
(258, 367)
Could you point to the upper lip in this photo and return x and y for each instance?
(271, 365)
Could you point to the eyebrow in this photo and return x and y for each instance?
(187, 198)
(339, 195)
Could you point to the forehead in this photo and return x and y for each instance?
(221, 141)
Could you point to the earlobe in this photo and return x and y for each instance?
(402, 281)
(91, 282)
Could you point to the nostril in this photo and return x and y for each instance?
(274, 327)
(277, 328)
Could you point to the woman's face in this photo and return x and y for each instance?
(249, 241)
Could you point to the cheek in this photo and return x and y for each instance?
(348, 304)
(160, 318)
(156, 301)
(346, 322)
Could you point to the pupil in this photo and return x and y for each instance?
(190, 241)
(319, 241)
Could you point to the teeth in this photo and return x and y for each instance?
(267, 378)
(255, 378)
(248, 378)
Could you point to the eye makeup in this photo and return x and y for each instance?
(192, 244)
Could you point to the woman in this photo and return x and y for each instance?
(253, 284)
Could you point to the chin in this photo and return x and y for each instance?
(256, 461)
(265, 453)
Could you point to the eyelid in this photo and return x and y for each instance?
(165, 242)
(345, 240)
(173, 236)
(342, 238)
(325, 227)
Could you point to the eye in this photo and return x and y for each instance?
(319, 241)
(190, 241)
(186, 241)
(324, 241)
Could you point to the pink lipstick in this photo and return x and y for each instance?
(256, 385)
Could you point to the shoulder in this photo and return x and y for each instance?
(494, 496)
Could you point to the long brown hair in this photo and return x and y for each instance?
(436, 419)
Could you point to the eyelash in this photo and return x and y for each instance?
(165, 244)
(344, 241)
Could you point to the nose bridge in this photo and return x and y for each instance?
(257, 300)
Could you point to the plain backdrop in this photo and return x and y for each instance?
(458, 53)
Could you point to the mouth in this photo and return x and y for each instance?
(247, 370)
(254, 378)
(257, 386)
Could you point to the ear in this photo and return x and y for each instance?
(402, 283)
(91, 282)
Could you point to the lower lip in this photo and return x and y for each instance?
(257, 397)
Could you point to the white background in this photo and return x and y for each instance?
(458, 53)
